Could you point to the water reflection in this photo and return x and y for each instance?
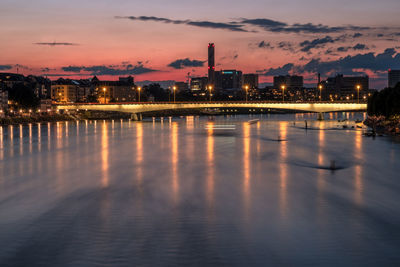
(174, 159)
(105, 181)
(283, 168)
(210, 165)
(204, 199)
(358, 182)
(139, 152)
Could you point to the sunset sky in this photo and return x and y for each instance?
(165, 39)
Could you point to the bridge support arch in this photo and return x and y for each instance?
(136, 116)
(321, 116)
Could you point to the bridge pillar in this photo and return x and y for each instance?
(321, 116)
(136, 117)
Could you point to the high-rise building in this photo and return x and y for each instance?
(290, 82)
(250, 80)
(211, 63)
(394, 77)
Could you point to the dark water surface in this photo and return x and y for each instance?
(180, 193)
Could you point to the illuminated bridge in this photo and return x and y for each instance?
(137, 108)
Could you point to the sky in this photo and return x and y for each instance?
(167, 39)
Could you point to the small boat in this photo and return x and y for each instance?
(253, 121)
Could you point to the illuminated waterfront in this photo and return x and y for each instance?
(179, 192)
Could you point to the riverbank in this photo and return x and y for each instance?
(383, 125)
(35, 119)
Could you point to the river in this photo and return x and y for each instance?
(182, 192)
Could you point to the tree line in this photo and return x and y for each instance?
(385, 103)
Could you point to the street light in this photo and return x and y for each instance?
(210, 88)
(174, 88)
(320, 92)
(139, 88)
(358, 93)
(247, 89)
(104, 90)
(283, 93)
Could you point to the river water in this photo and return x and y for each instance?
(182, 192)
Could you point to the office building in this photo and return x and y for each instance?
(394, 77)
(211, 64)
(345, 88)
(290, 82)
(181, 86)
(228, 80)
(3, 101)
(250, 80)
(64, 91)
(198, 84)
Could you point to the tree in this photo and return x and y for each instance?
(23, 95)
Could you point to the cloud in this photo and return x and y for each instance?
(284, 70)
(380, 62)
(5, 67)
(356, 47)
(316, 43)
(264, 23)
(56, 44)
(110, 70)
(231, 26)
(264, 44)
(183, 63)
(362, 64)
(278, 26)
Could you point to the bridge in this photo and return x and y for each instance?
(142, 107)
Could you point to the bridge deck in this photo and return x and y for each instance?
(141, 107)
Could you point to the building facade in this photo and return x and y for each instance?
(345, 88)
(228, 80)
(250, 80)
(290, 82)
(394, 78)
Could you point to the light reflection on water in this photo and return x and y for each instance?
(175, 192)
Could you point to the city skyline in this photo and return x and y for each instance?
(264, 37)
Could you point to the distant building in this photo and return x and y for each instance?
(64, 91)
(181, 86)
(345, 88)
(394, 77)
(290, 82)
(45, 105)
(123, 90)
(11, 79)
(3, 101)
(211, 64)
(198, 85)
(228, 80)
(251, 80)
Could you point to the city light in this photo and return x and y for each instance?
(320, 92)
(210, 89)
(174, 88)
(358, 93)
(283, 92)
(247, 90)
(139, 88)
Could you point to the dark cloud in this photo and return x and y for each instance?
(5, 67)
(264, 44)
(56, 44)
(107, 70)
(277, 26)
(287, 46)
(263, 23)
(380, 62)
(280, 71)
(73, 69)
(357, 35)
(232, 26)
(316, 43)
(356, 47)
(183, 63)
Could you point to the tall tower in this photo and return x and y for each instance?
(211, 64)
